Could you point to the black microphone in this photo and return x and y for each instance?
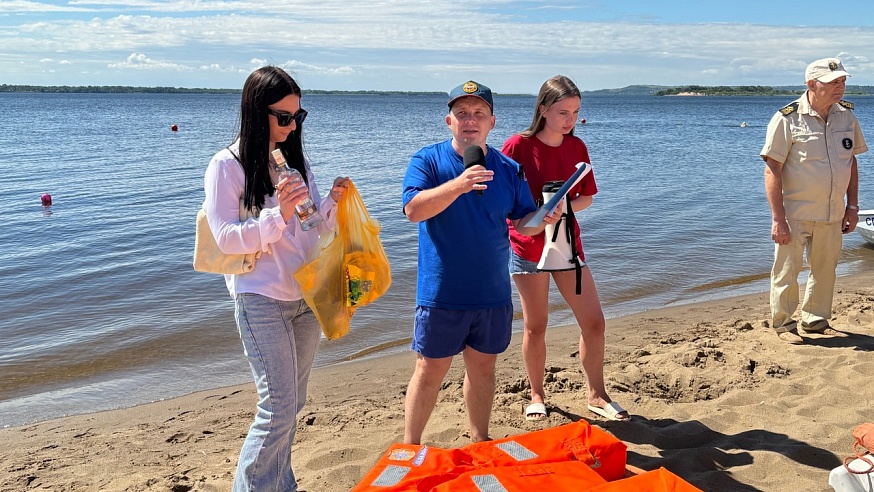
(473, 156)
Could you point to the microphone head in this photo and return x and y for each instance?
(473, 156)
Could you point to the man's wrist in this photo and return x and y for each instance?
(853, 207)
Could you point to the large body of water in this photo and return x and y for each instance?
(101, 308)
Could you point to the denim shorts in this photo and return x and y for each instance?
(440, 333)
(521, 266)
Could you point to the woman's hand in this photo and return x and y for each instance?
(290, 193)
(555, 216)
(338, 191)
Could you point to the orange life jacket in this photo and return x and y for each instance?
(408, 467)
(413, 467)
(562, 476)
(577, 441)
(660, 480)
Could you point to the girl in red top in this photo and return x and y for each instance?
(549, 151)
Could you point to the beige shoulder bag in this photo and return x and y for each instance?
(210, 259)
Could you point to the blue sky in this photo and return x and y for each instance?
(430, 45)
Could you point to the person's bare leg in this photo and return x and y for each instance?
(534, 296)
(422, 395)
(587, 310)
(479, 391)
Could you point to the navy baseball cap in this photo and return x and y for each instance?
(471, 88)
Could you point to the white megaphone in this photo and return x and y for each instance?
(559, 249)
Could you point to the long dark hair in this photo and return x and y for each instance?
(551, 92)
(263, 87)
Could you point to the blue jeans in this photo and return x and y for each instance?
(280, 339)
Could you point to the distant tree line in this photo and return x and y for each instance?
(724, 90)
(632, 90)
(375, 93)
(110, 89)
(122, 89)
(753, 90)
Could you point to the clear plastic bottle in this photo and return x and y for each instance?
(305, 209)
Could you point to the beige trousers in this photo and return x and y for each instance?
(823, 241)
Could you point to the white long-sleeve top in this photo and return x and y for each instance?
(284, 245)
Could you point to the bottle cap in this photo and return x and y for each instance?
(278, 157)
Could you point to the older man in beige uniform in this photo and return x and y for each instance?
(810, 155)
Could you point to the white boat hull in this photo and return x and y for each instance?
(865, 227)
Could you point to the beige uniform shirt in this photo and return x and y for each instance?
(817, 158)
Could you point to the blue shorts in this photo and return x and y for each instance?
(440, 333)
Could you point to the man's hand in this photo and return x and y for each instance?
(780, 232)
(851, 218)
(474, 178)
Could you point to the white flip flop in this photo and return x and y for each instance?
(611, 411)
(535, 412)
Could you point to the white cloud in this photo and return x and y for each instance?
(215, 67)
(297, 66)
(31, 7)
(330, 40)
(140, 61)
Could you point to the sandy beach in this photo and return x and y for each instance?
(715, 397)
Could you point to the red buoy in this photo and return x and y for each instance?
(46, 199)
(174, 128)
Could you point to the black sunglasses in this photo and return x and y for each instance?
(284, 119)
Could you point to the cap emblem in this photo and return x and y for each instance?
(832, 66)
(470, 87)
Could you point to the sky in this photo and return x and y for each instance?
(511, 46)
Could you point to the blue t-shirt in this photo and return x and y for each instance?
(464, 250)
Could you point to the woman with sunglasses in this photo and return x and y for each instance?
(251, 210)
(549, 151)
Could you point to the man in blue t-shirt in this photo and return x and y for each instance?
(463, 301)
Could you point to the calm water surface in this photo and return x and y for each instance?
(101, 308)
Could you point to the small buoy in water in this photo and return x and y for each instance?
(743, 124)
(46, 200)
(583, 121)
(174, 128)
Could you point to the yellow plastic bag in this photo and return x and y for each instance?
(345, 270)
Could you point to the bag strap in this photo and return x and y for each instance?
(860, 438)
(245, 213)
(864, 458)
(569, 221)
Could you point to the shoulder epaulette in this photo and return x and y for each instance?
(847, 104)
(789, 109)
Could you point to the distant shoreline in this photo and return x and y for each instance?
(631, 90)
(120, 89)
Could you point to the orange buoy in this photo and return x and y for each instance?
(174, 128)
(46, 200)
